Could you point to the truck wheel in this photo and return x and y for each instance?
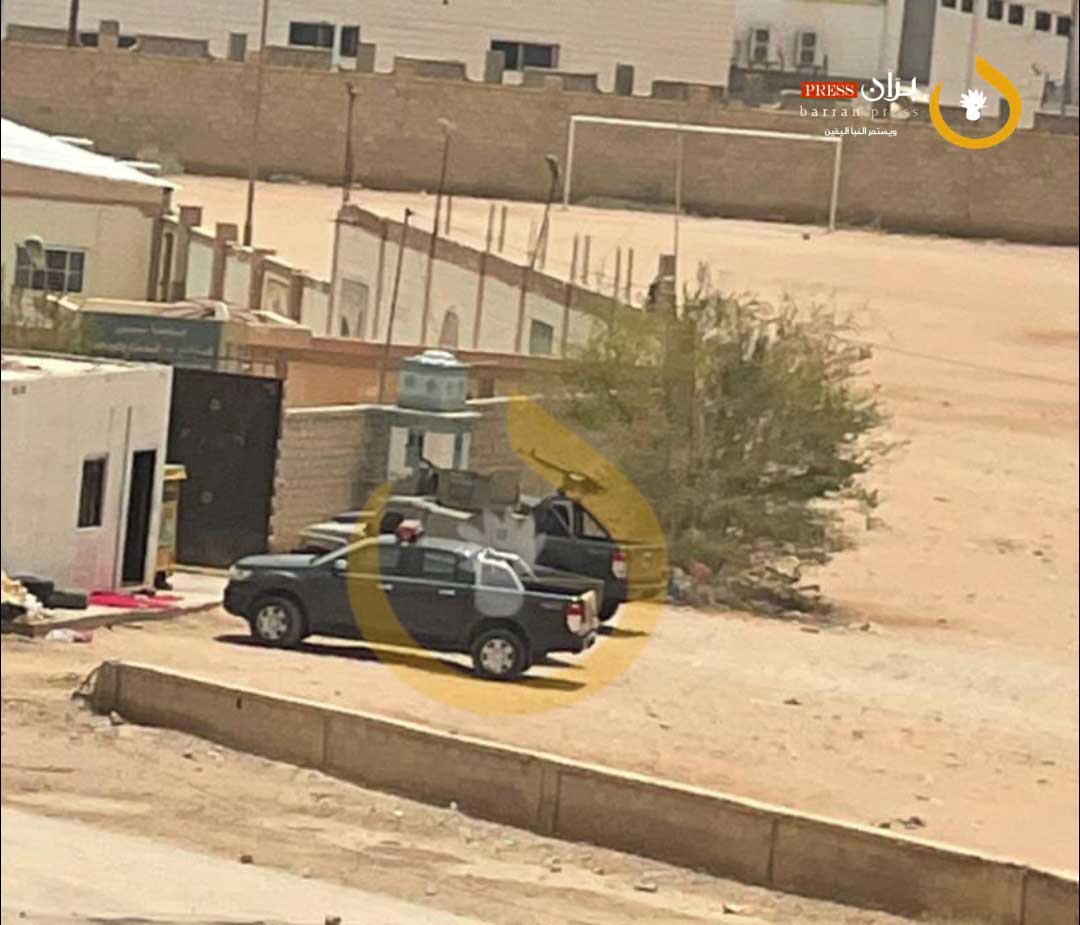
(608, 609)
(277, 621)
(500, 654)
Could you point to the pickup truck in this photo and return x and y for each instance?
(444, 595)
(556, 532)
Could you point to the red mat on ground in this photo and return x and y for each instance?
(133, 601)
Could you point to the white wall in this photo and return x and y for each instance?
(849, 31)
(453, 288)
(50, 425)
(116, 238)
(592, 36)
(1017, 51)
(200, 268)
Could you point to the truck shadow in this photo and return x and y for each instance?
(422, 660)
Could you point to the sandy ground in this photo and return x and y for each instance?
(976, 356)
(976, 741)
(205, 807)
(959, 706)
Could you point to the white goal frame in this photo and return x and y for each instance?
(694, 128)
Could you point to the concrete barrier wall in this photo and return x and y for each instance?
(743, 839)
(1024, 190)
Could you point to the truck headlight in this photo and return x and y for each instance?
(239, 574)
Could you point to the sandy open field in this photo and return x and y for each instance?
(960, 705)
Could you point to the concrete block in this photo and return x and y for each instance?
(237, 46)
(665, 821)
(365, 58)
(485, 780)
(274, 727)
(494, 65)
(866, 867)
(1050, 899)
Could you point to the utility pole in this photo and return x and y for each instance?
(347, 176)
(393, 306)
(448, 128)
(253, 153)
(73, 24)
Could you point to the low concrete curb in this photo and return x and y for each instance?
(87, 621)
(725, 835)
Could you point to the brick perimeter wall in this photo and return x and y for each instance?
(199, 110)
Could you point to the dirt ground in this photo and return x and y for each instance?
(61, 761)
(970, 744)
(961, 706)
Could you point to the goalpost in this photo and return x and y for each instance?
(693, 128)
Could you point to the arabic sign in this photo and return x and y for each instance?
(179, 341)
(875, 92)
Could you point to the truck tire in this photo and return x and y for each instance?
(608, 610)
(500, 654)
(277, 621)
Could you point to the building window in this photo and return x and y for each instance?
(759, 46)
(1016, 14)
(63, 271)
(966, 6)
(1042, 21)
(995, 9)
(1064, 26)
(541, 338)
(949, 4)
(520, 55)
(312, 34)
(92, 492)
(349, 42)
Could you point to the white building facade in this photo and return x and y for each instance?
(930, 40)
(83, 459)
(95, 218)
(682, 40)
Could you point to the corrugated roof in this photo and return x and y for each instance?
(22, 145)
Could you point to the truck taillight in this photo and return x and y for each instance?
(575, 616)
(618, 564)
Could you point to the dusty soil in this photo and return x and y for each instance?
(60, 760)
(960, 705)
(867, 725)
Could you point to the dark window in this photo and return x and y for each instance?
(92, 492)
(438, 564)
(591, 529)
(1042, 21)
(63, 270)
(966, 6)
(312, 34)
(995, 9)
(552, 523)
(1064, 25)
(519, 55)
(389, 560)
(1016, 14)
(349, 42)
(541, 338)
(949, 4)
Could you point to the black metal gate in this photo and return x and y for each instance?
(224, 428)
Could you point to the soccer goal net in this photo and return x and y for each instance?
(684, 128)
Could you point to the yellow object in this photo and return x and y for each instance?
(999, 82)
(170, 510)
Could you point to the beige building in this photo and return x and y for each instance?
(75, 221)
(931, 40)
(564, 35)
